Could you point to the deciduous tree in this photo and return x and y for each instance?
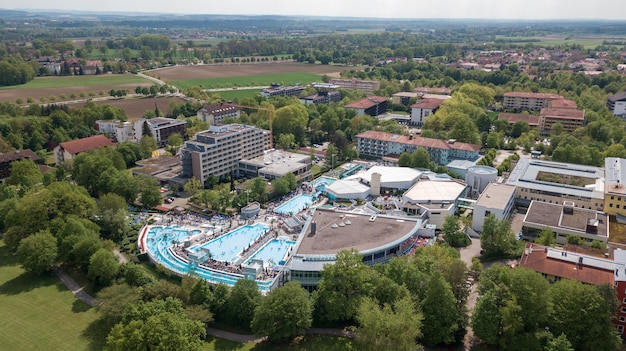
(38, 252)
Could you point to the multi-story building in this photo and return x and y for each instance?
(571, 119)
(614, 187)
(431, 90)
(379, 144)
(519, 100)
(496, 199)
(8, 158)
(556, 182)
(278, 90)
(371, 105)
(368, 86)
(421, 109)
(322, 97)
(404, 97)
(275, 164)
(217, 151)
(512, 118)
(160, 128)
(555, 264)
(215, 113)
(617, 104)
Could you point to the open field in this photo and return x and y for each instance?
(39, 313)
(135, 108)
(179, 73)
(587, 43)
(287, 78)
(45, 87)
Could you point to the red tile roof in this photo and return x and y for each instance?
(532, 120)
(563, 113)
(537, 259)
(532, 95)
(563, 103)
(367, 102)
(81, 145)
(428, 103)
(418, 141)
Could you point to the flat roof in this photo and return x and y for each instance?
(552, 215)
(525, 173)
(388, 174)
(496, 196)
(344, 187)
(435, 191)
(362, 234)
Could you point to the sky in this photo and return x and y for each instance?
(478, 9)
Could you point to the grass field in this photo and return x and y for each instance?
(287, 78)
(587, 43)
(39, 313)
(85, 81)
(237, 94)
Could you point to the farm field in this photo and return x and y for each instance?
(587, 43)
(135, 108)
(288, 78)
(39, 313)
(181, 73)
(46, 87)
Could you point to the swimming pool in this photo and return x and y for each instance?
(229, 246)
(275, 250)
(160, 240)
(295, 204)
(321, 183)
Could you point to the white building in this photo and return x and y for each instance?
(215, 113)
(275, 164)
(391, 178)
(421, 109)
(496, 199)
(160, 128)
(617, 104)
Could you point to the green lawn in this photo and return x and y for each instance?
(307, 343)
(72, 81)
(39, 313)
(237, 94)
(287, 78)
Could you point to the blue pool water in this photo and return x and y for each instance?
(159, 239)
(295, 204)
(228, 246)
(274, 250)
(321, 183)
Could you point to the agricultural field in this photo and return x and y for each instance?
(587, 43)
(39, 313)
(287, 78)
(61, 88)
(212, 76)
(136, 108)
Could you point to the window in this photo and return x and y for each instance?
(624, 301)
(623, 310)
(622, 319)
(620, 329)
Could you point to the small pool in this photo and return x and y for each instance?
(321, 183)
(227, 247)
(275, 250)
(295, 204)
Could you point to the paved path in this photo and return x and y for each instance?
(467, 253)
(121, 258)
(76, 289)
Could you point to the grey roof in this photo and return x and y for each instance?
(525, 175)
(617, 97)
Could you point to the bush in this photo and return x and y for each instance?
(597, 244)
(574, 240)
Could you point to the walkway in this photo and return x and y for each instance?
(76, 289)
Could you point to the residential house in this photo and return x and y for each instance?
(67, 150)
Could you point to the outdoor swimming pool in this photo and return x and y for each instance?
(160, 239)
(228, 246)
(295, 205)
(275, 250)
(321, 183)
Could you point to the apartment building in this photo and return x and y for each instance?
(614, 187)
(322, 97)
(67, 150)
(371, 105)
(379, 144)
(368, 86)
(215, 113)
(519, 100)
(421, 109)
(217, 151)
(571, 119)
(160, 128)
(617, 104)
